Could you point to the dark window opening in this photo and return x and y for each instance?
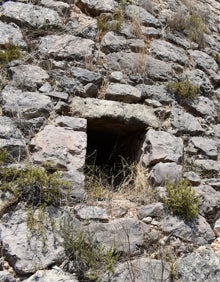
(111, 151)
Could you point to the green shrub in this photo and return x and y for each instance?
(33, 185)
(194, 25)
(89, 258)
(184, 89)
(182, 200)
(196, 28)
(8, 53)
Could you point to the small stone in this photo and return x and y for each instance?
(193, 177)
(116, 76)
(123, 93)
(216, 228)
(91, 212)
(147, 220)
(91, 90)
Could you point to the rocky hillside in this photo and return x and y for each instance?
(110, 140)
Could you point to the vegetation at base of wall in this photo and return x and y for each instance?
(35, 187)
(181, 200)
(184, 89)
(103, 183)
(8, 53)
(90, 259)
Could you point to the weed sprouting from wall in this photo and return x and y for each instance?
(194, 25)
(36, 188)
(90, 259)
(184, 90)
(182, 200)
(8, 53)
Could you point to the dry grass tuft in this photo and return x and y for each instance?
(130, 180)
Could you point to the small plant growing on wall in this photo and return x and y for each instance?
(111, 22)
(194, 25)
(33, 186)
(196, 28)
(181, 200)
(184, 90)
(90, 259)
(8, 53)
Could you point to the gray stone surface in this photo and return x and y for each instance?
(65, 147)
(199, 78)
(11, 33)
(137, 45)
(203, 61)
(116, 76)
(216, 129)
(162, 172)
(216, 228)
(69, 85)
(25, 252)
(143, 16)
(139, 270)
(125, 234)
(8, 129)
(161, 146)
(151, 32)
(209, 202)
(77, 124)
(128, 62)
(212, 41)
(91, 90)
(55, 274)
(203, 107)
(62, 8)
(11, 139)
(6, 277)
(152, 210)
(66, 46)
(32, 15)
(207, 146)
(95, 7)
(193, 177)
(157, 92)
(62, 96)
(113, 43)
(201, 265)
(28, 77)
(91, 212)
(185, 122)
(25, 104)
(198, 232)
(159, 70)
(123, 93)
(119, 114)
(81, 25)
(209, 167)
(85, 76)
(179, 39)
(168, 52)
